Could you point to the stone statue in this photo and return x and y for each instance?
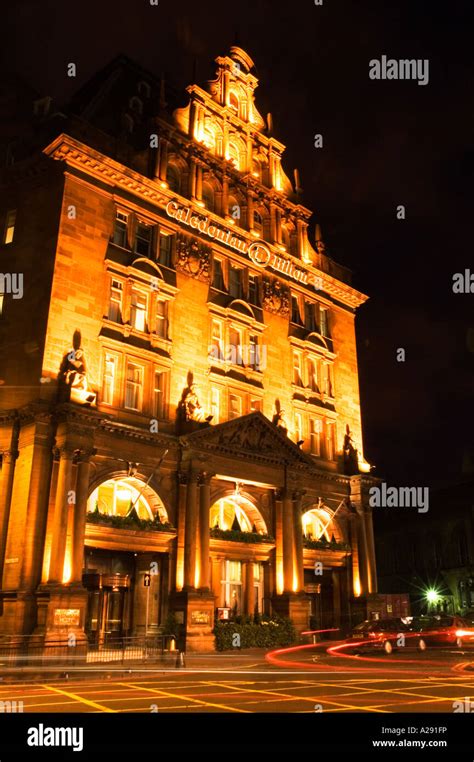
(278, 420)
(73, 374)
(351, 457)
(189, 408)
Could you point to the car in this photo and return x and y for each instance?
(380, 633)
(441, 630)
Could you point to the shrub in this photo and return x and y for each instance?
(269, 633)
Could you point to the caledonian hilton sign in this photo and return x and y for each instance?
(258, 251)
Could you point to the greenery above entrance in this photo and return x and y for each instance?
(236, 535)
(132, 521)
(325, 544)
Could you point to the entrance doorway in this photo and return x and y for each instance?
(108, 579)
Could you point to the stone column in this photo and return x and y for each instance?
(79, 520)
(181, 525)
(225, 196)
(191, 531)
(204, 506)
(279, 549)
(300, 238)
(216, 579)
(273, 224)
(250, 210)
(192, 179)
(249, 592)
(369, 533)
(58, 544)
(163, 163)
(199, 173)
(6, 485)
(288, 541)
(298, 531)
(336, 592)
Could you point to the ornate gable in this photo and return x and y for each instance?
(249, 436)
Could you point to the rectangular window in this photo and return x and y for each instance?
(297, 375)
(298, 427)
(115, 301)
(235, 406)
(329, 440)
(218, 276)
(295, 310)
(143, 239)
(235, 282)
(313, 375)
(315, 428)
(160, 393)
(235, 348)
(2, 297)
(162, 318)
(323, 322)
(165, 249)
(254, 352)
(256, 405)
(310, 321)
(134, 387)
(232, 586)
(253, 290)
(138, 311)
(217, 343)
(9, 226)
(109, 379)
(215, 404)
(120, 230)
(327, 380)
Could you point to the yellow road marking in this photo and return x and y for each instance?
(100, 707)
(291, 697)
(167, 694)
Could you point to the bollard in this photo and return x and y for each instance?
(180, 662)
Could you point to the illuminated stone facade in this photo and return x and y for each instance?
(179, 378)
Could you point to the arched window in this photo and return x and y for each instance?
(173, 178)
(234, 155)
(238, 513)
(208, 197)
(318, 524)
(116, 497)
(285, 236)
(235, 210)
(144, 89)
(234, 102)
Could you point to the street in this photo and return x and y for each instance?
(299, 679)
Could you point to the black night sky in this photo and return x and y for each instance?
(386, 143)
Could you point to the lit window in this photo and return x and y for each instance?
(297, 376)
(316, 524)
(234, 102)
(295, 310)
(143, 240)
(327, 380)
(218, 276)
(256, 405)
(115, 301)
(310, 321)
(120, 230)
(253, 290)
(329, 440)
(138, 311)
(165, 249)
(109, 379)
(9, 226)
(232, 586)
(160, 393)
(161, 318)
(217, 350)
(116, 498)
(235, 282)
(313, 375)
(323, 322)
(315, 428)
(215, 404)
(235, 348)
(298, 427)
(2, 297)
(134, 387)
(254, 352)
(235, 406)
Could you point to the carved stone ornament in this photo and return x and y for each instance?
(248, 436)
(276, 297)
(193, 259)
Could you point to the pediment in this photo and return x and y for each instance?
(250, 435)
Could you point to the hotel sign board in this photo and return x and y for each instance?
(258, 251)
(67, 617)
(200, 617)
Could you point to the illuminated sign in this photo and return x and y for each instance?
(67, 617)
(258, 251)
(200, 617)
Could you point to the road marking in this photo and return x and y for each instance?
(167, 694)
(100, 707)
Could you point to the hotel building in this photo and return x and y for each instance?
(180, 426)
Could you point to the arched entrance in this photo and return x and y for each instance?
(114, 568)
